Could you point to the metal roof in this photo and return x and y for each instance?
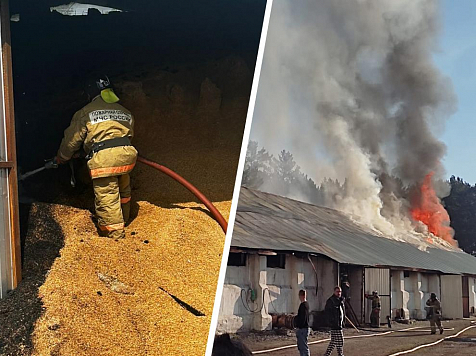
(270, 222)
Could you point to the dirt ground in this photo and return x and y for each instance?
(384, 344)
(152, 293)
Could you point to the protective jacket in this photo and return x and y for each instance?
(335, 312)
(96, 122)
(435, 306)
(346, 290)
(375, 301)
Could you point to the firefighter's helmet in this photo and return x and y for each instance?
(101, 85)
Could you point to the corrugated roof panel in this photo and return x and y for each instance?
(271, 222)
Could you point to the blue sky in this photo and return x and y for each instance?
(457, 60)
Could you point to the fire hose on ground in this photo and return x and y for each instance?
(213, 210)
(373, 335)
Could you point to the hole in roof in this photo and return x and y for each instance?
(78, 9)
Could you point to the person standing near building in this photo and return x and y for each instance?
(301, 322)
(335, 312)
(375, 314)
(435, 313)
(104, 129)
(346, 289)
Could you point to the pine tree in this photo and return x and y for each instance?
(461, 206)
(257, 167)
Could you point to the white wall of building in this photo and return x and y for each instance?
(280, 288)
(399, 296)
(237, 317)
(409, 294)
(279, 281)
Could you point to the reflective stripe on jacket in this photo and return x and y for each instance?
(99, 121)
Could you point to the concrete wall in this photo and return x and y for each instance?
(237, 317)
(399, 295)
(451, 296)
(420, 284)
(279, 287)
(284, 284)
(411, 293)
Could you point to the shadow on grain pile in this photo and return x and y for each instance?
(153, 292)
(23, 307)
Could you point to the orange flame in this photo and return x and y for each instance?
(427, 208)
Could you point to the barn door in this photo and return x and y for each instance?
(9, 226)
(378, 279)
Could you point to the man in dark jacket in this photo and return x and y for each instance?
(301, 322)
(335, 312)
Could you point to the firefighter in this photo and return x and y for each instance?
(375, 314)
(104, 129)
(346, 289)
(434, 313)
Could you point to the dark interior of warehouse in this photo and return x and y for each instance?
(184, 68)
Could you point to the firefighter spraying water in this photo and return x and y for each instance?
(103, 129)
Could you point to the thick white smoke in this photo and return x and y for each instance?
(354, 82)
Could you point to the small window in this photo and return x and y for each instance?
(277, 261)
(237, 259)
(406, 274)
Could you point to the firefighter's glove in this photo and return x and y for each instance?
(52, 163)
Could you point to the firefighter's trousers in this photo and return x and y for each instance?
(375, 318)
(435, 321)
(112, 202)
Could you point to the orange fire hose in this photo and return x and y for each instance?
(216, 214)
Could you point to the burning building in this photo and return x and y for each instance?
(370, 105)
(280, 246)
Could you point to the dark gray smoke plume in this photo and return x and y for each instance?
(351, 89)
